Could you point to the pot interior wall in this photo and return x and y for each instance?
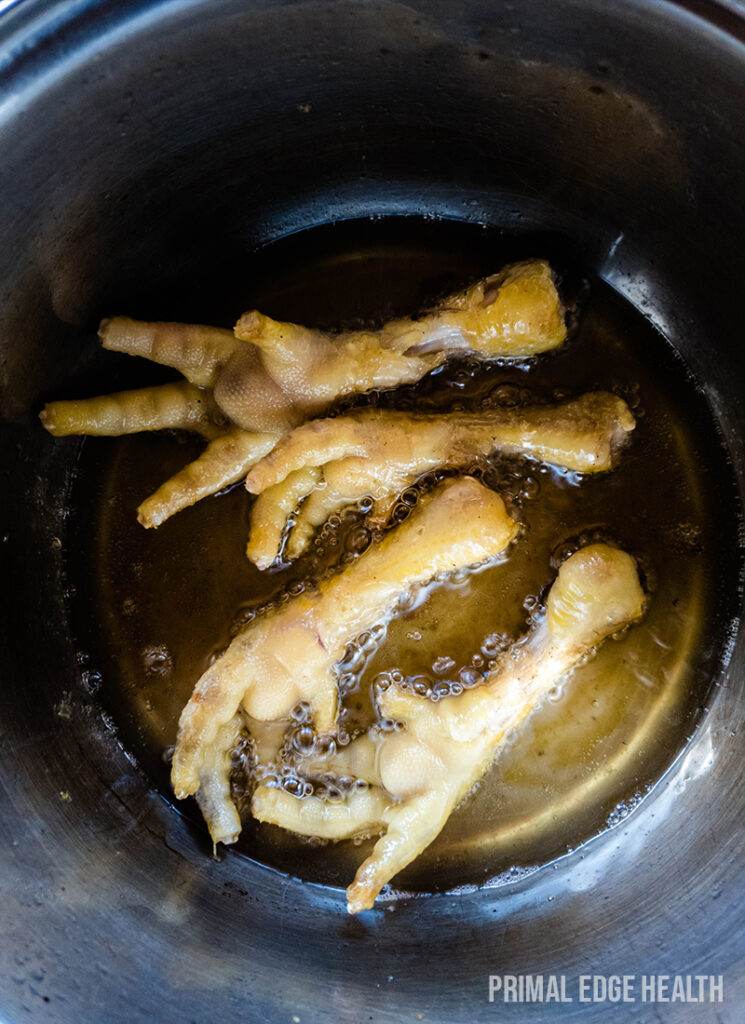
(148, 151)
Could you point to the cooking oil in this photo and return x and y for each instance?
(154, 608)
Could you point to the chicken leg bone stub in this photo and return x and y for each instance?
(289, 656)
(377, 453)
(245, 388)
(417, 777)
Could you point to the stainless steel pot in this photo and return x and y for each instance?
(160, 142)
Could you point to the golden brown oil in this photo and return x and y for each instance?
(158, 604)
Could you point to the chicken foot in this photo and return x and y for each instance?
(514, 313)
(287, 657)
(377, 453)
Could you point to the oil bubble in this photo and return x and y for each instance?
(469, 677)
(382, 681)
(325, 746)
(421, 685)
(347, 682)
(244, 615)
(91, 680)
(352, 660)
(301, 711)
(505, 395)
(214, 655)
(494, 644)
(358, 540)
(442, 665)
(304, 741)
(157, 660)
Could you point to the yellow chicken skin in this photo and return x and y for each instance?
(213, 795)
(245, 388)
(420, 775)
(377, 453)
(290, 656)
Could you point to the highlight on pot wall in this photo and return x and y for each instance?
(371, 441)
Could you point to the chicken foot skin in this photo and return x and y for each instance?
(289, 656)
(513, 314)
(266, 377)
(213, 795)
(448, 745)
(377, 453)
